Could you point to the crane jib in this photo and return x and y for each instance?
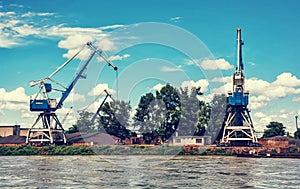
(69, 89)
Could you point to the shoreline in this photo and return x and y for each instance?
(248, 152)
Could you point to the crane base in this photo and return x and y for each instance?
(48, 132)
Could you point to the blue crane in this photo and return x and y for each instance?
(237, 128)
(47, 106)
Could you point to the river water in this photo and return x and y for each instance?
(147, 172)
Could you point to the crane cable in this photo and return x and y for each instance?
(117, 84)
(117, 74)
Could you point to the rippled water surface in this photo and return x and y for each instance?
(147, 172)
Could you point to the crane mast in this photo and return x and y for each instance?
(239, 49)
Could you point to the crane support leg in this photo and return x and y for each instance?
(43, 133)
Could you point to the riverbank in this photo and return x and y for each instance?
(109, 150)
(147, 150)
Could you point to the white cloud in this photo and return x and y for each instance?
(66, 117)
(285, 84)
(262, 119)
(157, 87)
(286, 80)
(176, 19)
(106, 44)
(296, 99)
(216, 64)
(205, 97)
(256, 86)
(26, 30)
(18, 95)
(41, 14)
(75, 97)
(259, 115)
(19, 26)
(15, 5)
(62, 31)
(258, 102)
(119, 57)
(10, 13)
(193, 62)
(223, 89)
(264, 91)
(202, 83)
(171, 69)
(27, 114)
(7, 42)
(94, 105)
(83, 55)
(74, 41)
(14, 100)
(111, 27)
(12, 23)
(99, 90)
(226, 79)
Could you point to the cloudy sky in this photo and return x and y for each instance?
(185, 43)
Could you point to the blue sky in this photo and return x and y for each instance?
(185, 43)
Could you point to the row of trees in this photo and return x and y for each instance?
(157, 115)
(162, 114)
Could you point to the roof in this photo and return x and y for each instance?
(276, 138)
(13, 139)
(191, 136)
(2, 126)
(96, 138)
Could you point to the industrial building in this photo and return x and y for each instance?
(8, 130)
(191, 140)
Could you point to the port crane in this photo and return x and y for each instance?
(51, 130)
(237, 128)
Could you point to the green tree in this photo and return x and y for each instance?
(274, 129)
(171, 97)
(297, 134)
(194, 113)
(203, 118)
(73, 129)
(115, 118)
(159, 115)
(83, 124)
(143, 114)
(218, 110)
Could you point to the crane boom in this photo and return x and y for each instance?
(69, 89)
(100, 53)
